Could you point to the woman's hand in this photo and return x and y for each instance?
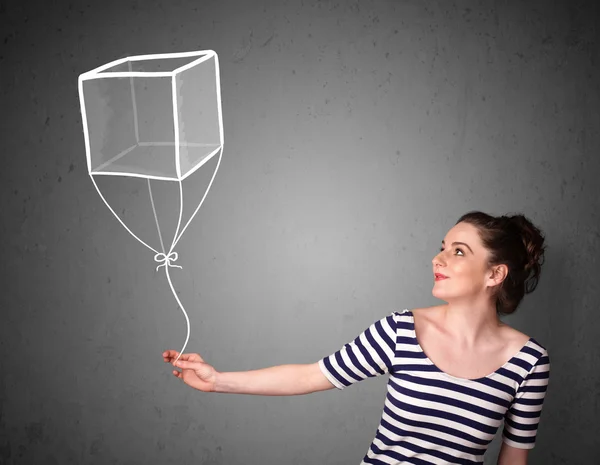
(195, 372)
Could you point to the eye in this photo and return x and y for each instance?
(457, 249)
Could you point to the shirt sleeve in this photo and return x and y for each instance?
(522, 418)
(370, 354)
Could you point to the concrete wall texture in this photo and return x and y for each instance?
(356, 134)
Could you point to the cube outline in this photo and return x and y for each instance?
(101, 73)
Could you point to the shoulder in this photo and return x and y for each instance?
(425, 316)
(527, 348)
(419, 318)
(514, 340)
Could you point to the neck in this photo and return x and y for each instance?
(471, 323)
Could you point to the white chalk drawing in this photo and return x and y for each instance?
(156, 117)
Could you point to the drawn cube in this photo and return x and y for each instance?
(152, 116)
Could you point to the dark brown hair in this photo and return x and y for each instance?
(515, 242)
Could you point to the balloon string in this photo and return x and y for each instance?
(166, 261)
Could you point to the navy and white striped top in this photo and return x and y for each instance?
(431, 417)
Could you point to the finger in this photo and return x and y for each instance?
(169, 354)
(186, 364)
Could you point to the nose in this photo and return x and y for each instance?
(437, 260)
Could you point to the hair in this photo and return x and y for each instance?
(515, 242)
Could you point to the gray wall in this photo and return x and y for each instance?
(356, 134)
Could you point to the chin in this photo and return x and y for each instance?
(437, 296)
(441, 295)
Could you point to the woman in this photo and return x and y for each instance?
(456, 371)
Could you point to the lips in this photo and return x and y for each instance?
(440, 276)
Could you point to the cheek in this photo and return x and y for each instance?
(469, 271)
(463, 269)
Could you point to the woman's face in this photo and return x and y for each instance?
(463, 259)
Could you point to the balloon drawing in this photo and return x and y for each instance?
(156, 117)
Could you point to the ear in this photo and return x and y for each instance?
(497, 275)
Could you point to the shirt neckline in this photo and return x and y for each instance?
(467, 380)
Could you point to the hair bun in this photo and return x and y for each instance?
(533, 240)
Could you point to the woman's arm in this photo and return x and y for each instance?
(282, 380)
(512, 455)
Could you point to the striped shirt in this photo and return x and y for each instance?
(431, 417)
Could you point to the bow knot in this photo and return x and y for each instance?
(165, 260)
